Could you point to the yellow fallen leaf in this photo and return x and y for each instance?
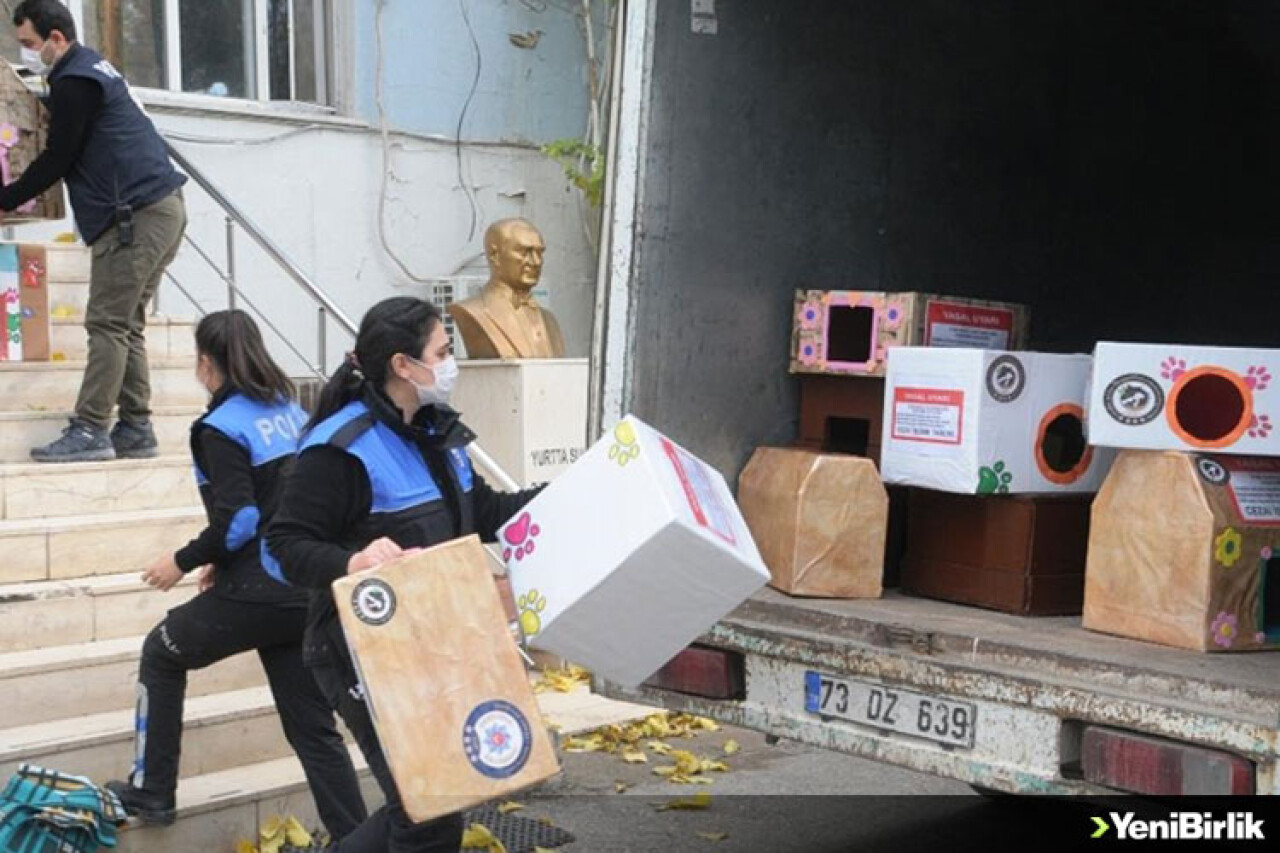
(706, 724)
(700, 800)
(243, 846)
(509, 807)
(699, 780)
(659, 747)
(714, 836)
(634, 756)
(686, 762)
(479, 837)
(718, 766)
(542, 850)
(583, 744)
(732, 747)
(620, 787)
(666, 771)
(296, 834)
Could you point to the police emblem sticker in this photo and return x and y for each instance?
(373, 601)
(1133, 399)
(497, 739)
(1213, 471)
(1006, 378)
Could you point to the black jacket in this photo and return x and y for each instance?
(363, 474)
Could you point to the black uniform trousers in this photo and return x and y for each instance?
(207, 629)
(389, 829)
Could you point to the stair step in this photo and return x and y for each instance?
(218, 809)
(166, 338)
(53, 613)
(39, 490)
(22, 430)
(27, 385)
(63, 549)
(220, 731)
(92, 678)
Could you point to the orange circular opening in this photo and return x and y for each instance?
(1062, 453)
(1209, 407)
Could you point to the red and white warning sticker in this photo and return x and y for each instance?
(952, 324)
(1254, 488)
(930, 415)
(707, 508)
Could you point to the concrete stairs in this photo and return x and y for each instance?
(73, 612)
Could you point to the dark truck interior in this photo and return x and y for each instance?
(1115, 166)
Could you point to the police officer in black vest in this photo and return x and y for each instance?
(382, 470)
(242, 447)
(126, 198)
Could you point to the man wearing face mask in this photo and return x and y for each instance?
(128, 207)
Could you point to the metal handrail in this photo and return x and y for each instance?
(234, 214)
(264, 242)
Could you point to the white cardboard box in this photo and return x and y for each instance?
(530, 415)
(629, 556)
(986, 422)
(1173, 397)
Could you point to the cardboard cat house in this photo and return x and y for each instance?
(629, 555)
(430, 632)
(1022, 554)
(820, 521)
(24, 130)
(980, 421)
(1184, 550)
(1174, 397)
(849, 332)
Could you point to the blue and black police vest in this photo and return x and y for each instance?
(269, 434)
(124, 160)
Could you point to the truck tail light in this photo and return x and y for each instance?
(1141, 764)
(700, 671)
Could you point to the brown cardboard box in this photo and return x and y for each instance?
(33, 289)
(819, 520)
(849, 332)
(449, 695)
(1185, 551)
(24, 128)
(1018, 554)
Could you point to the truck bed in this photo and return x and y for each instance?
(1036, 684)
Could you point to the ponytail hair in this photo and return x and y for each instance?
(399, 325)
(233, 343)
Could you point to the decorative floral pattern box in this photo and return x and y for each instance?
(849, 332)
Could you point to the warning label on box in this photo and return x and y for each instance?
(1255, 490)
(951, 324)
(708, 509)
(930, 415)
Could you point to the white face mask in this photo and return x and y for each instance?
(446, 373)
(32, 61)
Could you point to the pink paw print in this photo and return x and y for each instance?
(1257, 378)
(518, 538)
(1260, 427)
(1173, 368)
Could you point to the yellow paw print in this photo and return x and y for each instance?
(531, 606)
(625, 447)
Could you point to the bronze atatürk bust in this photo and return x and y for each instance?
(505, 321)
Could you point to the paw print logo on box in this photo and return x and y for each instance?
(531, 605)
(1260, 427)
(1257, 378)
(994, 480)
(1172, 368)
(519, 538)
(625, 444)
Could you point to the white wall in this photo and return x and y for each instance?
(315, 193)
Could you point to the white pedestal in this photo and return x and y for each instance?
(530, 414)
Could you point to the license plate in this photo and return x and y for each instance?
(945, 721)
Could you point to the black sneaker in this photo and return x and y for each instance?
(80, 442)
(148, 808)
(134, 441)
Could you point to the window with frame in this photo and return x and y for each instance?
(267, 50)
